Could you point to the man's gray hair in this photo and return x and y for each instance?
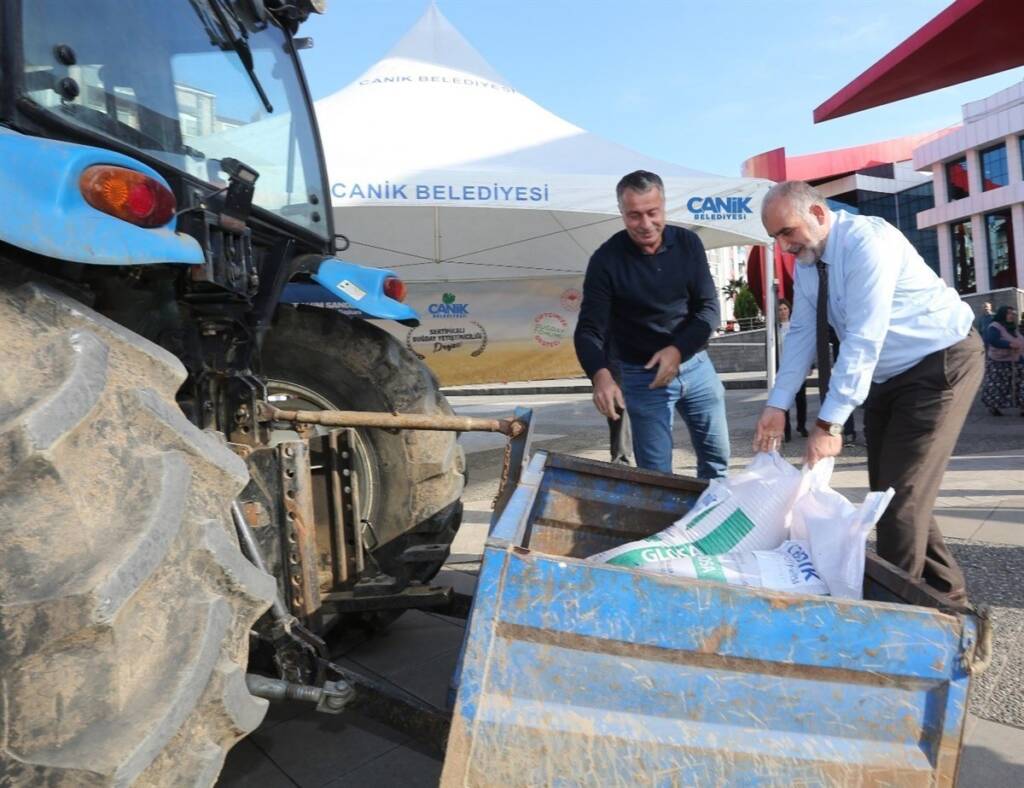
(800, 193)
(640, 181)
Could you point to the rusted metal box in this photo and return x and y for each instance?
(576, 673)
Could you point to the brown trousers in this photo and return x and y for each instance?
(911, 424)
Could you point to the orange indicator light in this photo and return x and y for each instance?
(128, 195)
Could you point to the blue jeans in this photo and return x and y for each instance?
(698, 395)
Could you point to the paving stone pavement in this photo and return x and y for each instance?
(980, 510)
(981, 514)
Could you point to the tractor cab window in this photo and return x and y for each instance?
(189, 83)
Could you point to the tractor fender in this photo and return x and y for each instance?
(45, 212)
(359, 287)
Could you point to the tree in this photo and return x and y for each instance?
(731, 290)
(745, 305)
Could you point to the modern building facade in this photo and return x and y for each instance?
(877, 179)
(897, 193)
(978, 176)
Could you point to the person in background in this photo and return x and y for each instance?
(1004, 375)
(785, 310)
(650, 290)
(909, 353)
(984, 320)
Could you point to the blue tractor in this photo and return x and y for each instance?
(163, 196)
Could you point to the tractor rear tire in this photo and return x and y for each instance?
(125, 602)
(417, 475)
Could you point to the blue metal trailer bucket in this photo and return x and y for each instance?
(578, 673)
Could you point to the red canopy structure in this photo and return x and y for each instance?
(783, 274)
(813, 167)
(970, 39)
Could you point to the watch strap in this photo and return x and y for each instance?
(832, 429)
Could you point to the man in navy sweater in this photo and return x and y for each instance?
(649, 289)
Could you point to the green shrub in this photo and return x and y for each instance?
(745, 305)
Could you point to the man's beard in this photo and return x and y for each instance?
(810, 255)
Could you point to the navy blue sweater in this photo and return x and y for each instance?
(645, 302)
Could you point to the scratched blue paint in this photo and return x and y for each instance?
(614, 492)
(519, 505)
(358, 286)
(577, 673)
(890, 639)
(469, 676)
(679, 691)
(44, 211)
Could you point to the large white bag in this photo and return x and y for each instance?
(786, 568)
(747, 511)
(836, 529)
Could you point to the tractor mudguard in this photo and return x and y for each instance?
(360, 287)
(45, 212)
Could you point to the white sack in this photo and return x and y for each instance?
(652, 550)
(836, 529)
(747, 511)
(786, 568)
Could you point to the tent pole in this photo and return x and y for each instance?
(769, 312)
(437, 235)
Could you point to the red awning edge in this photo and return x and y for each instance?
(969, 39)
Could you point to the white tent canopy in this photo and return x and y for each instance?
(440, 170)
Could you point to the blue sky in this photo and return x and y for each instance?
(703, 84)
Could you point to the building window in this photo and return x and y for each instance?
(909, 203)
(995, 171)
(963, 257)
(189, 125)
(1001, 268)
(956, 179)
(1020, 141)
(186, 98)
(878, 204)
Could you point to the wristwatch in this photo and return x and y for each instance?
(835, 430)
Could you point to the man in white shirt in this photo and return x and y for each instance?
(908, 352)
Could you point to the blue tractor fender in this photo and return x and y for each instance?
(359, 287)
(45, 212)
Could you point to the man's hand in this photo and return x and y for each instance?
(770, 427)
(607, 395)
(667, 360)
(821, 445)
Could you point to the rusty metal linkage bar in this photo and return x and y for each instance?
(398, 421)
(299, 547)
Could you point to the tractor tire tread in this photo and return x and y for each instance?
(125, 602)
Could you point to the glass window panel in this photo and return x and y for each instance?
(963, 257)
(192, 104)
(956, 179)
(909, 203)
(995, 170)
(1002, 270)
(876, 204)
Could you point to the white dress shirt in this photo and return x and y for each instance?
(888, 308)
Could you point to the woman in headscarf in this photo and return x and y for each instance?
(1004, 365)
